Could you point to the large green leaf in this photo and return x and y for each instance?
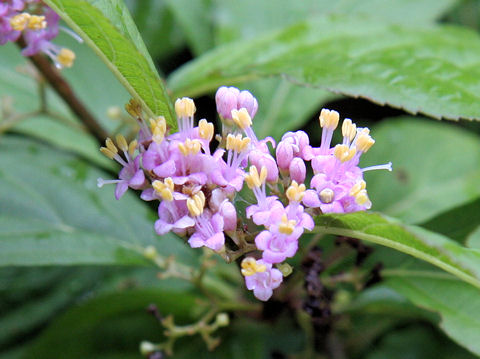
(426, 180)
(51, 212)
(107, 27)
(415, 241)
(458, 304)
(430, 70)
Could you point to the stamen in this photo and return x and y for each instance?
(190, 147)
(132, 147)
(205, 130)
(327, 195)
(287, 226)
(122, 142)
(134, 108)
(241, 118)
(158, 128)
(357, 187)
(295, 192)
(37, 22)
(364, 142)
(329, 119)
(164, 189)
(250, 267)
(196, 203)
(19, 22)
(349, 129)
(344, 153)
(253, 179)
(185, 107)
(66, 57)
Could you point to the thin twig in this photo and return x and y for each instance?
(63, 89)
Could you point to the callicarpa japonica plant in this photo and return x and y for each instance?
(237, 207)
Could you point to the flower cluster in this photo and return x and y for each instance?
(38, 24)
(198, 188)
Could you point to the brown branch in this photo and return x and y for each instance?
(63, 89)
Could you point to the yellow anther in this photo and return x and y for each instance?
(107, 152)
(37, 22)
(357, 187)
(295, 192)
(362, 199)
(164, 189)
(66, 57)
(349, 129)
(205, 130)
(241, 118)
(327, 195)
(237, 143)
(364, 142)
(196, 203)
(287, 226)
(190, 147)
(329, 119)
(19, 22)
(185, 107)
(250, 267)
(132, 147)
(110, 145)
(134, 108)
(344, 153)
(122, 142)
(158, 127)
(253, 179)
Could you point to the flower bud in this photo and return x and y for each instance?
(229, 214)
(246, 100)
(260, 159)
(226, 99)
(298, 170)
(284, 154)
(216, 199)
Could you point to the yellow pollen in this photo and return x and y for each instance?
(37, 22)
(132, 147)
(196, 203)
(66, 57)
(364, 142)
(357, 187)
(190, 147)
(107, 152)
(241, 118)
(110, 145)
(185, 107)
(349, 129)
(326, 195)
(122, 142)
(329, 119)
(158, 127)
(250, 267)
(205, 130)
(237, 143)
(287, 226)
(164, 189)
(253, 179)
(19, 22)
(295, 192)
(134, 108)
(344, 153)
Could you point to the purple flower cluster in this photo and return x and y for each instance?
(198, 188)
(39, 26)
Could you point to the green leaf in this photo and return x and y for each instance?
(428, 70)
(456, 302)
(51, 212)
(108, 29)
(415, 241)
(425, 180)
(114, 324)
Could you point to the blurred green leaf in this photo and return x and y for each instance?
(473, 239)
(112, 324)
(195, 19)
(426, 179)
(51, 212)
(106, 26)
(157, 26)
(431, 70)
(415, 241)
(457, 303)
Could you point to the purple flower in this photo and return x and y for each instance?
(208, 232)
(261, 277)
(173, 216)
